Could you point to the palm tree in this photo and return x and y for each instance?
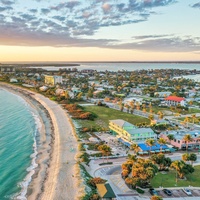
(170, 137)
(137, 105)
(161, 115)
(193, 118)
(132, 105)
(105, 150)
(127, 107)
(135, 148)
(187, 138)
(150, 142)
(162, 142)
(187, 119)
(181, 168)
(132, 158)
(186, 157)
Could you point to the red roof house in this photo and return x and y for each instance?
(174, 98)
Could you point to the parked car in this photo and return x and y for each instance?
(153, 191)
(168, 192)
(187, 191)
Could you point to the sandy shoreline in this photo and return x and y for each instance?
(57, 175)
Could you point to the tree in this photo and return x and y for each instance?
(155, 197)
(151, 117)
(135, 148)
(192, 158)
(193, 118)
(182, 168)
(186, 120)
(79, 96)
(187, 138)
(144, 170)
(162, 142)
(132, 105)
(160, 159)
(150, 142)
(90, 93)
(132, 158)
(67, 96)
(160, 114)
(170, 137)
(186, 157)
(96, 180)
(105, 150)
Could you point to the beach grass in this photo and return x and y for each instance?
(105, 114)
(169, 179)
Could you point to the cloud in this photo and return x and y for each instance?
(7, 2)
(68, 22)
(45, 11)
(196, 5)
(161, 43)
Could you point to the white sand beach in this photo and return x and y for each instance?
(57, 175)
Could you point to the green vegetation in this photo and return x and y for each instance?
(140, 191)
(105, 114)
(88, 180)
(169, 179)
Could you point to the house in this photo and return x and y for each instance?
(162, 94)
(127, 133)
(13, 80)
(53, 80)
(175, 101)
(179, 141)
(105, 191)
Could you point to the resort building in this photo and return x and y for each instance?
(53, 80)
(175, 101)
(178, 140)
(128, 133)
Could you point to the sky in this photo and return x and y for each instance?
(99, 30)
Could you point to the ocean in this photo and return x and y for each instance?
(18, 127)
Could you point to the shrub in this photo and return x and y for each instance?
(96, 180)
(140, 191)
(107, 163)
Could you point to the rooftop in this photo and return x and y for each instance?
(174, 98)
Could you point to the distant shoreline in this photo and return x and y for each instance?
(75, 63)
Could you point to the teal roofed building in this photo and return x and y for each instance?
(129, 132)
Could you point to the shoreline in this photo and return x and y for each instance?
(57, 174)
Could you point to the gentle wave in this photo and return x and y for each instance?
(31, 169)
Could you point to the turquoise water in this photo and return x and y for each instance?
(17, 151)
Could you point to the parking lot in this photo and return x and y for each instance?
(179, 193)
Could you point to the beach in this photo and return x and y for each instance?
(57, 175)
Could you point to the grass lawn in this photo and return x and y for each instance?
(105, 114)
(169, 179)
